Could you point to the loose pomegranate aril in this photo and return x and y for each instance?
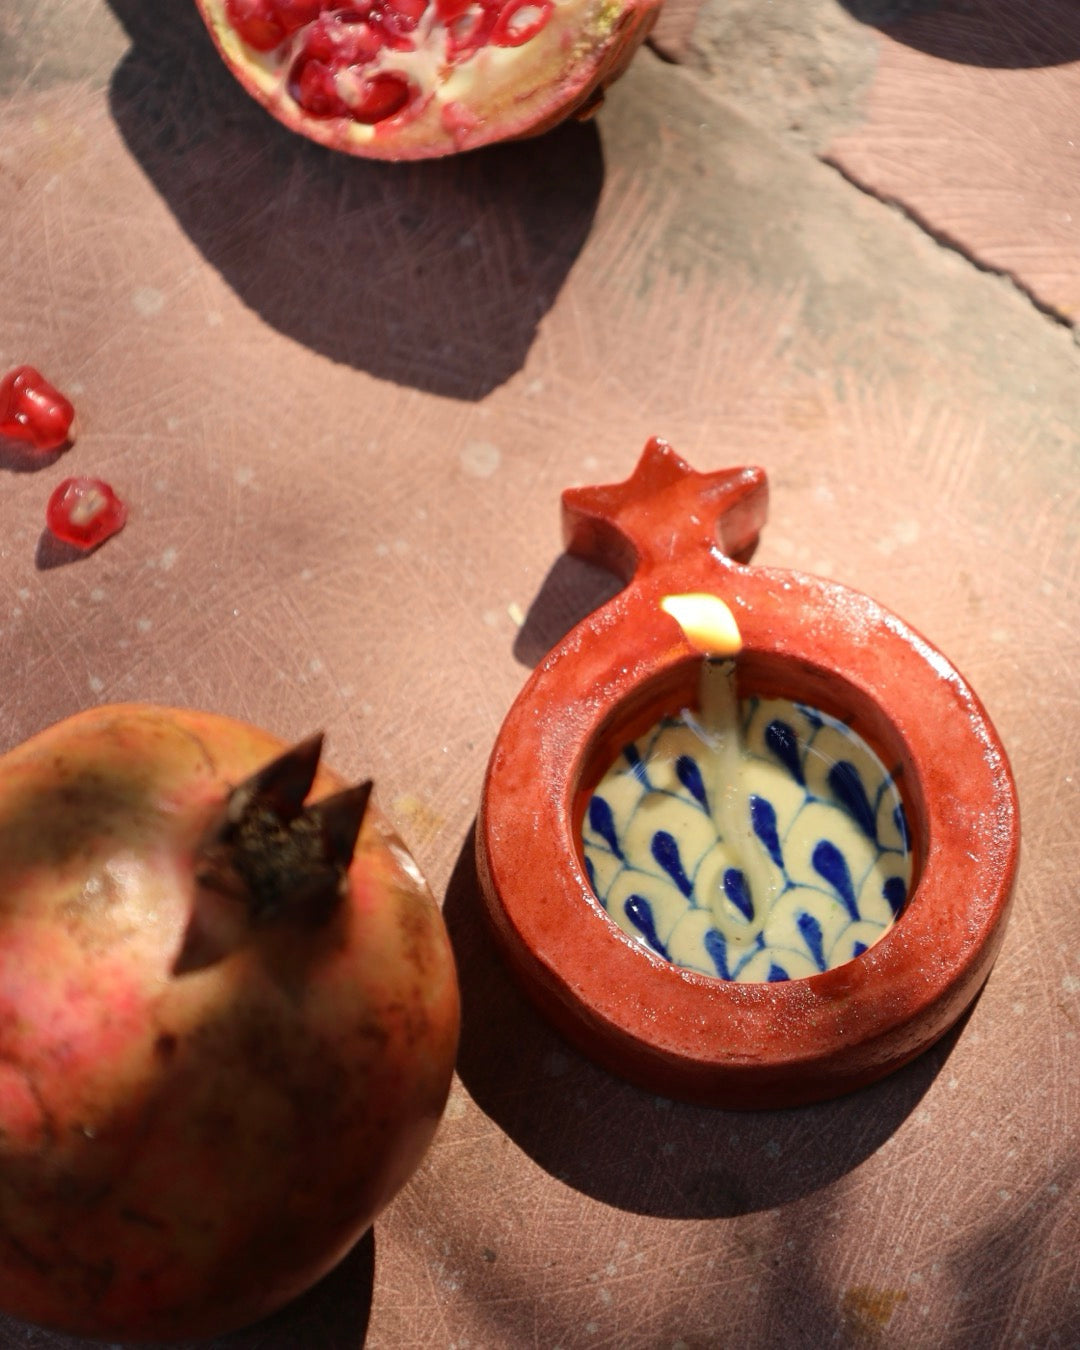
(84, 512)
(32, 410)
(519, 21)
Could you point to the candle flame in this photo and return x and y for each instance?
(706, 621)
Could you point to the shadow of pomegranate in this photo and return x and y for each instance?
(18, 457)
(625, 1147)
(994, 33)
(52, 552)
(332, 1315)
(433, 275)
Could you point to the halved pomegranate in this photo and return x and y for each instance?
(414, 79)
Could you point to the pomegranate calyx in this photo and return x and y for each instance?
(273, 854)
(340, 818)
(281, 786)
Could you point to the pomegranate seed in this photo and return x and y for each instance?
(470, 30)
(253, 24)
(340, 40)
(400, 17)
(410, 9)
(381, 97)
(263, 24)
(293, 14)
(390, 32)
(32, 410)
(449, 10)
(519, 21)
(312, 85)
(320, 79)
(84, 512)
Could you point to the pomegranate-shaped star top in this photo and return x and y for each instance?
(665, 510)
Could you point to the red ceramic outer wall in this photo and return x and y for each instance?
(750, 1045)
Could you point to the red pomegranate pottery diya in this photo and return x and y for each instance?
(746, 838)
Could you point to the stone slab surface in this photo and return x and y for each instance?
(341, 400)
(972, 125)
(963, 113)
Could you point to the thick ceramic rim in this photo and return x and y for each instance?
(693, 1036)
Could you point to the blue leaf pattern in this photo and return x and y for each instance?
(717, 949)
(813, 937)
(831, 866)
(603, 822)
(738, 892)
(639, 912)
(686, 767)
(848, 786)
(694, 874)
(665, 849)
(781, 739)
(763, 820)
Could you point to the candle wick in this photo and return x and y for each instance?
(728, 800)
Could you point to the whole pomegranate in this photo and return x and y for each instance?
(228, 1022)
(413, 79)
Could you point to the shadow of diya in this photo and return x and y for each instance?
(745, 837)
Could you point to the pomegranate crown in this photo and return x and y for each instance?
(270, 857)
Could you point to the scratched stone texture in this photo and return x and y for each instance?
(341, 400)
(973, 125)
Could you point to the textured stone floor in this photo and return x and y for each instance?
(834, 239)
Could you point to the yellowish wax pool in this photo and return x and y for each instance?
(754, 840)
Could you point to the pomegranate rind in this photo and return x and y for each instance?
(181, 1155)
(504, 93)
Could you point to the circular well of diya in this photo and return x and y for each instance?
(808, 885)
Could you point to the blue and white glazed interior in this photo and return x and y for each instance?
(772, 848)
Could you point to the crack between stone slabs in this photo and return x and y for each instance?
(946, 241)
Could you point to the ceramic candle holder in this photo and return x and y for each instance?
(782, 1039)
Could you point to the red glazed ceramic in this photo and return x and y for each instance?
(743, 1042)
